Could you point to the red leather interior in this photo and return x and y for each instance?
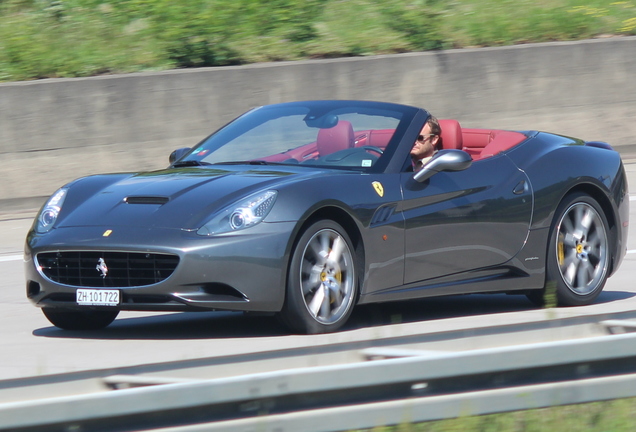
(479, 143)
(337, 138)
(502, 140)
(451, 134)
(380, 138)
(374, 137)
(476, 139)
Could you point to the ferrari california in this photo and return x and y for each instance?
(307, 209)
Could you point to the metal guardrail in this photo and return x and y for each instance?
(394, 386)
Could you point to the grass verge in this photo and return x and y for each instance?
(608, 416)
(72, 38)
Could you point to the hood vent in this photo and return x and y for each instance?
(146, 200)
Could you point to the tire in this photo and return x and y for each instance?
(578, 251)
(79, 320)
(322, 280)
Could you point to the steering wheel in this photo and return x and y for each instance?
(374, 149)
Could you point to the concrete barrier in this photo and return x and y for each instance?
(52, 131)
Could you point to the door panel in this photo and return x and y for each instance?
(465, 220)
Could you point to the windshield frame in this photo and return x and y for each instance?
(317, 117)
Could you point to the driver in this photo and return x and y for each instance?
(428, 142)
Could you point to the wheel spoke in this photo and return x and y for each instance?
(312, 279)
(587, 218)
(325, 306)
(577, 215)
(336, 294)
(337, 248)
(568, 230)
(318, 251)
(583, 274)
(570, 270)
(569, 240)
(325, 240)
(316, 302)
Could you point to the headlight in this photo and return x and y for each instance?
(51, 210)
(243, 214)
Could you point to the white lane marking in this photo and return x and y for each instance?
(631, 251)
(10, 258)
(632, 197)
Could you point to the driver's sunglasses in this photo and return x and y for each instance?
(422, 138)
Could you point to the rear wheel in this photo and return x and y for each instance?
(578, 251)
(68, 319)
(322, 280)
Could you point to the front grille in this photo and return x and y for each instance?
(106, 269)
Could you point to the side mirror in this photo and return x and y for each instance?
(444, 160)
(178, 154)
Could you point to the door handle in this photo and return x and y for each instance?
(521, 188)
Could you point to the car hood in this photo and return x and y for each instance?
(183, 198)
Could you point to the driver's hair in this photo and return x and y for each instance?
(436, 129)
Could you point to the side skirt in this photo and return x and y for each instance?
(499, 279)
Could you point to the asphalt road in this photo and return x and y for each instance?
(31, 346)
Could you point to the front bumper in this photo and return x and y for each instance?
(241, 271)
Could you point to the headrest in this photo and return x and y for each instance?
(337, 138)
(451, 134)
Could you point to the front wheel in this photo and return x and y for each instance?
(579, 251)
(68, 319)
(322, 280)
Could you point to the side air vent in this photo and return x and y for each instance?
(383, 214)
(146, 200)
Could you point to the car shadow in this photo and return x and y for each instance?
(454, 307)
(224, 325)
(180, 325)
(438, 308)
(610, 296)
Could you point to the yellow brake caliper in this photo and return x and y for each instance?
(337, 276)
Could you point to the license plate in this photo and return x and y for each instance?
(94, 297)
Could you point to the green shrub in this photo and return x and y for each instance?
(65, 38)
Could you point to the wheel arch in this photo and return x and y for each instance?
(291, 314)
(610, 214)
(348, 223)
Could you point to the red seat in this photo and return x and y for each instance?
(502, 140)
(380, 138)
(337, 138)
(451, 134)
(475, 140)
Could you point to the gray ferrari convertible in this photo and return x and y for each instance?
(307, 209)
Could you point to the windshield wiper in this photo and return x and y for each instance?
(247, 162)
(188, 163)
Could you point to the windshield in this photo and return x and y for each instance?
(325, 133)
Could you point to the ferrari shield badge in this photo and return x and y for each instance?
(378, 188)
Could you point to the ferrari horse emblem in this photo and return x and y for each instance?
(101, 267)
